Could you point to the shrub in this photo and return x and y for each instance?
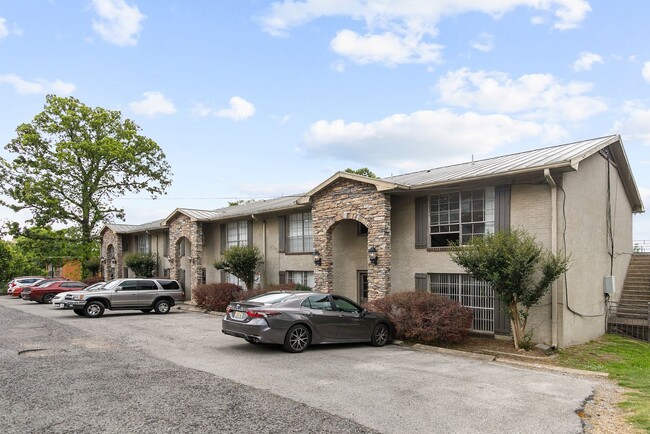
(425, 317)
(92, 280)
(142, 264)
(215, 296)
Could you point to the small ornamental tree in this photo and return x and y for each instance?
(242, 262)
(142, 264)
(519, 270)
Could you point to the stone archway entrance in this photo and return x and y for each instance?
(186, 237)
(350, 200)
(184, 272)
(350, 256)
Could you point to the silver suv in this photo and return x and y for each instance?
(146, 295)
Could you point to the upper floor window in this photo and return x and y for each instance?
(460, 216)
(143, 243)
(299, 233)
(237, 234)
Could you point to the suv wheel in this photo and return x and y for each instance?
(94, 309)
(162, 306)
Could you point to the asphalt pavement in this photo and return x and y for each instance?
(135, 372)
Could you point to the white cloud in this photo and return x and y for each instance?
(38, 86)
(645, 71)
(118, 22)
(423, 139)
(412, 16)
(532, 96)
(239, 110)
(586, 61)
(484, 42)
(387, 48)
(4, 31)
(154, 103)
(636, 123)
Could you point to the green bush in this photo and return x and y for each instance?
(142, 264)
(424, 317)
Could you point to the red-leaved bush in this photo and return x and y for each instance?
(215, 296)
(424, 317)
(92, 280)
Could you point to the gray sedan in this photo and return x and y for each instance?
(299, 319)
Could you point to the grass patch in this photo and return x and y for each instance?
(627, 361)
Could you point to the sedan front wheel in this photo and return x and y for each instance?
(297, 339)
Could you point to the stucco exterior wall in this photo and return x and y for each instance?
(587, 241)
(350, 257)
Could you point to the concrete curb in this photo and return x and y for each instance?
(484, 357)
(191, 307)
(561, 369)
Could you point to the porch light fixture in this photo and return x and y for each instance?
(372, 255)
(102, 260)
(317, 259)
(113, 263)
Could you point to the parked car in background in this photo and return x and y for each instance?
(56, 301)
(298, 319)
(20, 282)
(45, 293)
(18, 292)
(159, 295)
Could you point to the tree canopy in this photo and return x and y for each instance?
(364, 171)
(72, 160)
(517, 268)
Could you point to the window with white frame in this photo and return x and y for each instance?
(460, 216)
(237, 234)
(305, 278)
(299, 233)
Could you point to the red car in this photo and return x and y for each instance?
(45, 293)
(17, 292)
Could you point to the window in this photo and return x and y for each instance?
(460, 216)
(202, 277)
(167, 272)
(168, 284)
(346, 305)
(305, 278)
(299, 233)
(475, 294)
(143, 243)
(318, 302)
(166, 244)
(147, 285)
(237, 234)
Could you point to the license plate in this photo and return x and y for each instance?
(239, 315)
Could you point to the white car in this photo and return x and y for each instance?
(56, 301)
(20, 282)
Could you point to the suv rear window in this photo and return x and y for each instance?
(169, 284)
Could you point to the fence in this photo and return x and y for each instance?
(641, 246)
(629, 321)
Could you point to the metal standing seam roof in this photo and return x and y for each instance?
(556, 156)
(561, 156)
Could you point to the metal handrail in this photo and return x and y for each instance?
(641, 246)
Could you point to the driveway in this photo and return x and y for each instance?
(391, 389)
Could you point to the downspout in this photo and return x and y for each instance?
(553, 186)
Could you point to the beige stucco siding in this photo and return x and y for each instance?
(350, 257)
(587, 241)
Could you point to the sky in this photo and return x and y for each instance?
(253, 99)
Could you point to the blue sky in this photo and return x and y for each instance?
(258, 99)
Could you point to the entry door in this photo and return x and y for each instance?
(362, 286)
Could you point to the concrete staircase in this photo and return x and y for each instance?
(635, 298)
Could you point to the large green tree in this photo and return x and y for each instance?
(72, 160)
(519, 270)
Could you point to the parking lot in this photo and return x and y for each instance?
(130, 371)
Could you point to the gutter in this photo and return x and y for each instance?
(554, 297)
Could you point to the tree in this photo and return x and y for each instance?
(242, 262)
(364, 171)
(142, 264)
(517, 268)
(73, 160)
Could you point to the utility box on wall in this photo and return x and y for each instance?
(609, 285)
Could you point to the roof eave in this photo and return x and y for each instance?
(378, 183)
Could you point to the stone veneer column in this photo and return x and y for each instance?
(110, 238)
(183, 227)
(345, 199)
